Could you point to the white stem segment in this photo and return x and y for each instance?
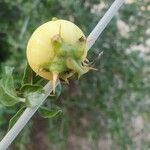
(29, 112)
(103, 23)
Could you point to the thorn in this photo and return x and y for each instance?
(66, 81)
(86, 60)
(51, 94)
(100, 54)
(66, 76)
(79, 76)
(36, 74)
(84, 63)
(55, 78)
(82, 39)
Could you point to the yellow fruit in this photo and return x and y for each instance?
(56, 49)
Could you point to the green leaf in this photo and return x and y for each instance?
(8, 96)
(33, 94)
(29, 87)
(15, 117)
(47, 113)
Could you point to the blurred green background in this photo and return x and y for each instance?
(108, 109)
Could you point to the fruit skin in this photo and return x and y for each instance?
(57, 49)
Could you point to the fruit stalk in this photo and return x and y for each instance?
(29, 112)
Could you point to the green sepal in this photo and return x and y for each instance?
(58, 65)
(76, 66)
(45, 112)
(8, 94)
(13, 120)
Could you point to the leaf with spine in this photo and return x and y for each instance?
(33, 94)
(8, 96)
(45, 112)
(15, 117)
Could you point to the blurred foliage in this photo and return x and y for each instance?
(109, 107)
